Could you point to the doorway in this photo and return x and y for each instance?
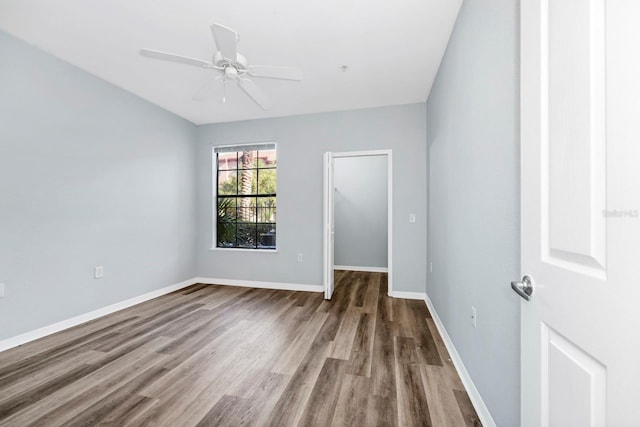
(329, 220)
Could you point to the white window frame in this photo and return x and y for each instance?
(214, 183)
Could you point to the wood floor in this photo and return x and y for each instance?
(219, 355)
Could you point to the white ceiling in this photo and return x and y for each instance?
(392, 48)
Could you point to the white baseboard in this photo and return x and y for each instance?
(355, 268)
(77, 320)
(408, 295)
(262, 285)
(474, 395)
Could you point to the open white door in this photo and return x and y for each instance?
(580, 191)
(328, 225)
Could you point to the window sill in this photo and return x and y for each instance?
(259, 251)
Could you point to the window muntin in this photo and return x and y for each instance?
(246, 186)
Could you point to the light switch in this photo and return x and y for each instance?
(412, 218)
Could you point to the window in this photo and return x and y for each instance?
(246, 196)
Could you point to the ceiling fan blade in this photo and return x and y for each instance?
(255, 93)
(165, 56)
(275, 72)
(226, 41)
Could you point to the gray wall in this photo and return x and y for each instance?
(360, 211)
(473, 133)
(301, 142)
(89, 175)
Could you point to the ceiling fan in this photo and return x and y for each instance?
(232, 65)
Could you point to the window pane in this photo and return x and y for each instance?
(226, 235)
(267, 158)
(266, 215)
(247, 209)
(227, 161)
(247, 159)
(266, 235)
(227, 208)
(266, 209)
(266, 202)
(266, 181)
(246, 235)
(226, 222)
(227, 183)
(247, 181)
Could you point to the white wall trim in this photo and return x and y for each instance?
(474, 395)
(77, 320)
(389, 154)
(362, 153)
(262, 285)
(255, 251)
(408, 295)
(92, 315)
(356, 268)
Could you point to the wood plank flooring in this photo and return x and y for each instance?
(229, 356)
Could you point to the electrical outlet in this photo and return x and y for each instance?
(98, 272)
(412, 218)
(299, 257)
(474, 317)
(1, 290)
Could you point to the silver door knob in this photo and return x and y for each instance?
(524, 288)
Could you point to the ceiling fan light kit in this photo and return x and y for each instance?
(232, 65)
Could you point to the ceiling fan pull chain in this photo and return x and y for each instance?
(224, 90)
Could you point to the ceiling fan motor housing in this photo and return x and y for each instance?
(230, 72)
(240, 64)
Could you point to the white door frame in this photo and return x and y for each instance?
(328, 225)
(389, 155)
